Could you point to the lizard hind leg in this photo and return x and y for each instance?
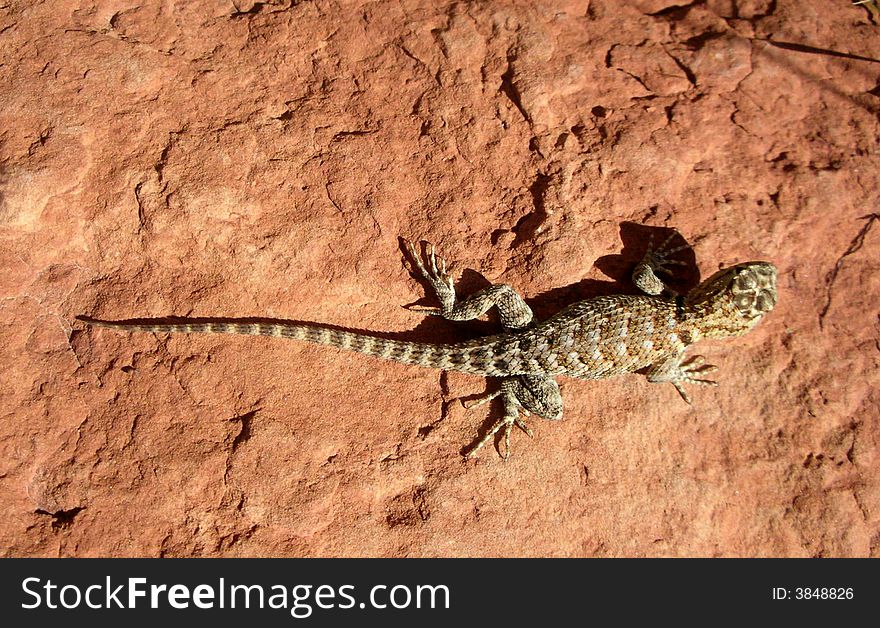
(513, 311)
(527, 394)
(433, 270)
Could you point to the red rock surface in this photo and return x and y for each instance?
(262, 158)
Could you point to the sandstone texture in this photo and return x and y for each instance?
(240, 159)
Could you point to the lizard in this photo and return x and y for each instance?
(595, 338)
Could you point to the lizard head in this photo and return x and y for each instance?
(733, 300)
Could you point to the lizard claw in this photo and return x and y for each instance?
(469, 404)
(682, 392)
(512, 409)
(658, 259)
(432, 268)
(693, 372)
(695, 368)
(505, 423)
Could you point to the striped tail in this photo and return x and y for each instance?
(469, 357)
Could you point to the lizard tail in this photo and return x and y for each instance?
(468, 357)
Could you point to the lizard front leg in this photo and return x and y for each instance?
(678, 371)
(646, 274)
(513, 311)
(527, 394)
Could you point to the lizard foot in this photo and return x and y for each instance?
(693, 372)
(658, 259)
(512, 409)
(433, 269)
(506, 423)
